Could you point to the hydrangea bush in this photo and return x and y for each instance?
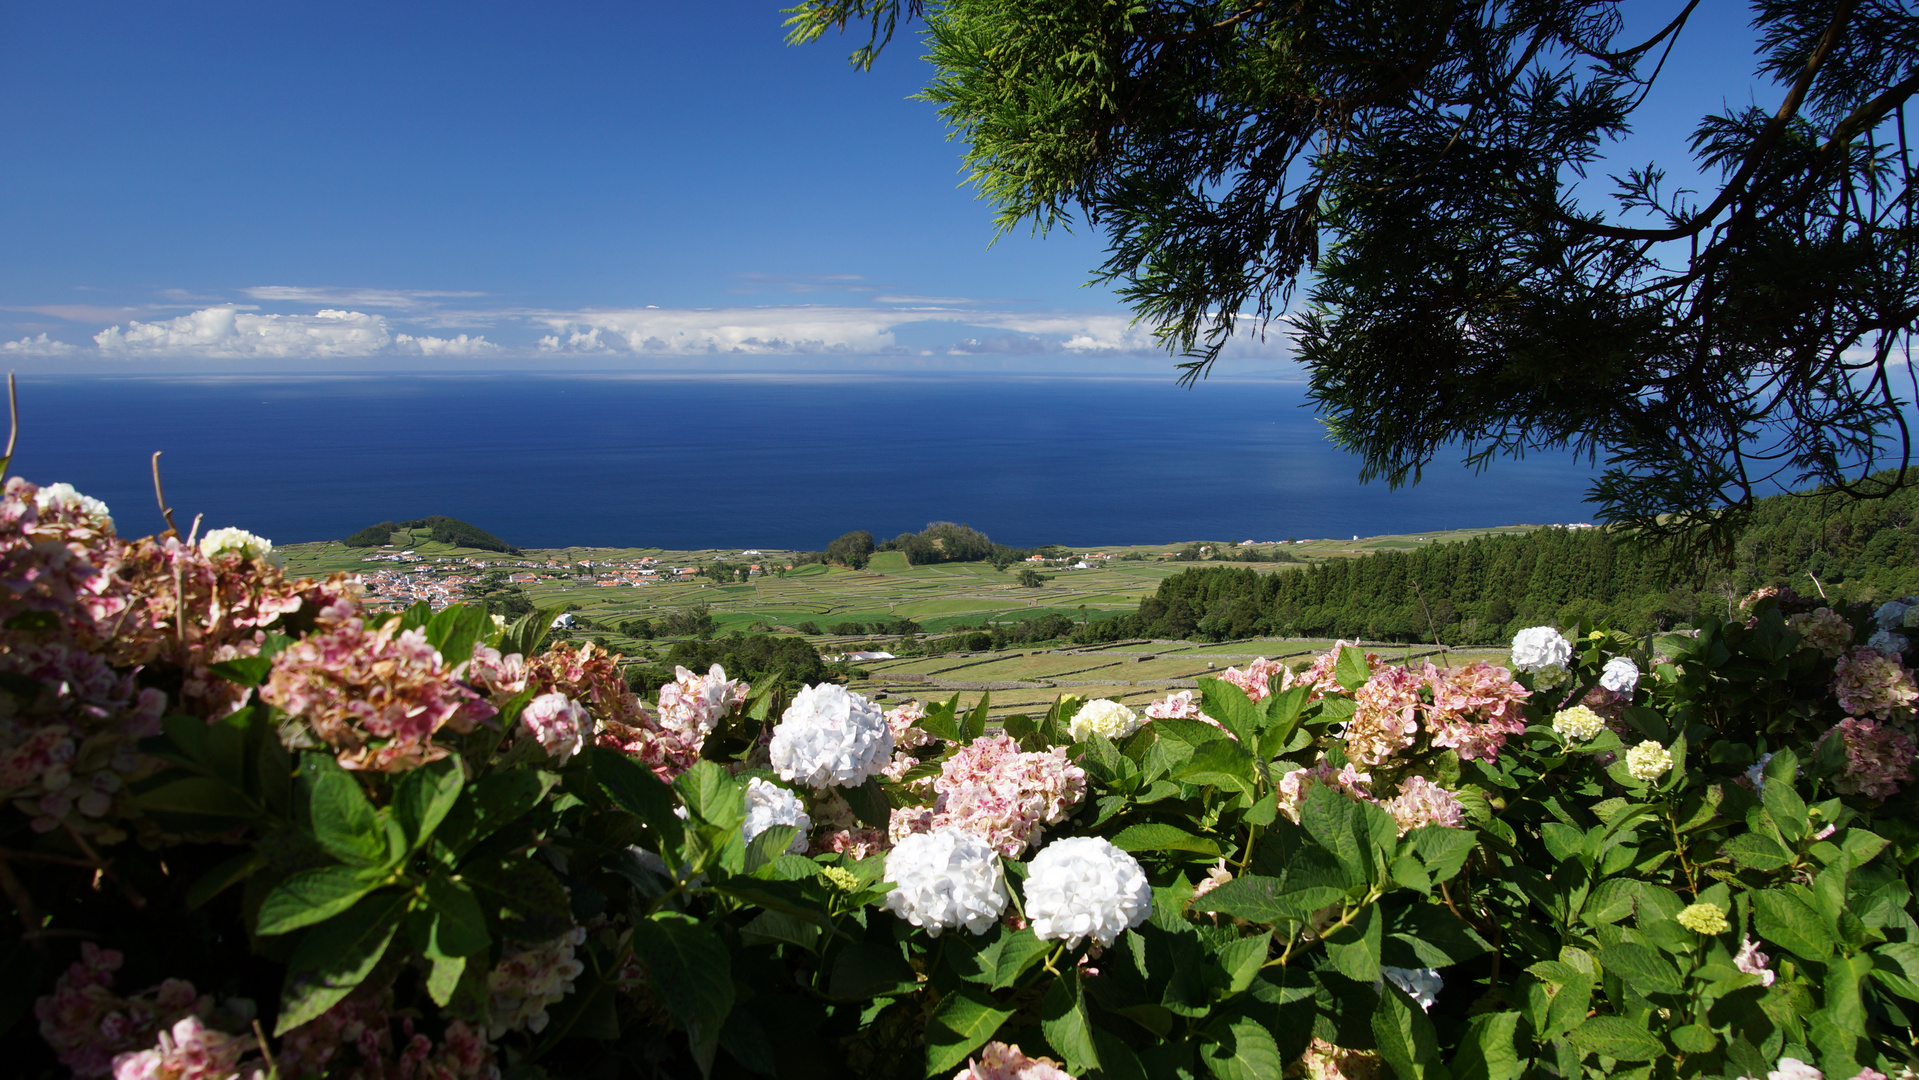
(254, 829)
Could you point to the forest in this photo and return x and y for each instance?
(1481, 591)
(444, 530)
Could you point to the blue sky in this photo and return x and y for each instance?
(534, 184)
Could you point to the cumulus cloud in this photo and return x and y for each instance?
(228, 332)
(38, 346)
(435, 346)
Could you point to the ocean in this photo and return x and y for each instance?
(747, 460)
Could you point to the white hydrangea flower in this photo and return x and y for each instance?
(946, 879)
(1420, 984)
(1578, 724)
(1891, 613)
(768, 805)
(830, 737)
(1648, 761)
(1539, 647)
(1887, 642)
(239, 542)
(527, 979)
(1620, 675)
(1083, 887)
(63, 498)
(1103, 717)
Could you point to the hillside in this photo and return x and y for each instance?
(438, 529)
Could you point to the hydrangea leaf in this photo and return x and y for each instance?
(1239, 1047)
(1070, 1031)
(961, 1024)
(336, 956)
(691, 974)
(314, 896)
(343, 820)
(1642, 968)
(634, 789)
(426, 796)
(1405, 1036)
(1618, 1038)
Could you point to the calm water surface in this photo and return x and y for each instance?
(746, 461)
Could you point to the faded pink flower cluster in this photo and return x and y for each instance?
(1385, 716)
(1256, 680)
(527, 979)
(1753, 962)
(903, 722)
(1184, 705)
(693, 705)
(376, 697)
(363, 1027)
(999, 1061)
(1474, 708)
(999, 793)
(1292, 787)
(67, 755)
(1870, 683)
(837, 830)
(590, 676)
(1822, 630)
(1878, 757)
(1325, 1061)
(1422, 802)
(91, 1028)
(557, 723)
(59, 564)
(191, 1051)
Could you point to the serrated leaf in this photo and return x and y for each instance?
(313, 896)
(459, 924)
(1788, 922)
(1487, 1052)
(869, 803)
(344, 821)
(691, 974)
(1642, 968)
(1229, 705)
(1354, 949)
(336, 956)
(1350, 670)
(1070, 1031)
(1405, 1035)
(961, 1024)
(1154, 836)
(634, 789)
(425, 796)
(1756, 851)
(1268, 900)
(1616, 1038)
(1240, 1048)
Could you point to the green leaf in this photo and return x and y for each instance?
(1191, 733)
(1242, 959)
(1153, 836)
(1351, 669)
(1642, 968)
(1063, 1018)
(344, 822)
(1240, 1048)
(522, 894)
(314, 896)
(246, 670)
(692, 977)
(1002, 960)
(223, 877)
(869, 803)
(1333, 820)
(1443, 850)
(1405, 1036)
(1229, 705)
(1617, 1038)
(961, 1024)
(1353, 949)
(712, 796)
(975, 723)
(336, 956)
(1282, 716)
(1486, 1052)
(1268, 899)
(455, 630)
(1756, 851)
(459, 924)
(196, 795)
(770, 844)
(425, 797)
(1790, 923)
(634, 789)
(1222, 763)
(526, 633)
(443, 978)
(1609, 902)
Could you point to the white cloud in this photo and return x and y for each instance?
(462, 345)
(38, 346)
(227, 332)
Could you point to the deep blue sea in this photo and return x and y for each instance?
(752, 460)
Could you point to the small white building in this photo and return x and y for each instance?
(565, 622)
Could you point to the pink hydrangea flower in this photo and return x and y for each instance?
(1871, 683)
(529, 978)
(903, 721)
(1385, 716)
(1325, 1061)
(376, 697)
(92, 1029)
(1292, 787)
(1822, 630)
(1256, 680)
(57, 562)
(693, 705)
(1422, 802)
(1004, 795)
(999, 1061)
(557, 723)
(1753, 962)
(356, 1039)
(1878, 757)
(189, 1051)
(1474, 708)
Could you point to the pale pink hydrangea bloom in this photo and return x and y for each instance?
(557, 723)
(527, 979)
(88, 1026)
(190, 1051)
(1474, 708)
(837, 830)
(363, 1028)
(999, 1061)
(1823, 630)
(376, 697)
(1183, 705)
(67, 755)
(1215, 877)
(1324, 1061)
(1422, 802)
(60, 563)
(591, 677)
(1292, 787)
(904, 723)
(1256, 680)
(1878, 757)
(499, 676)
(1870, 683)
(693, 705)
(1385, 716)
(1002, 794)
(1753, 962)
(1320, 676)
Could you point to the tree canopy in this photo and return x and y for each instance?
(1424, 168)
